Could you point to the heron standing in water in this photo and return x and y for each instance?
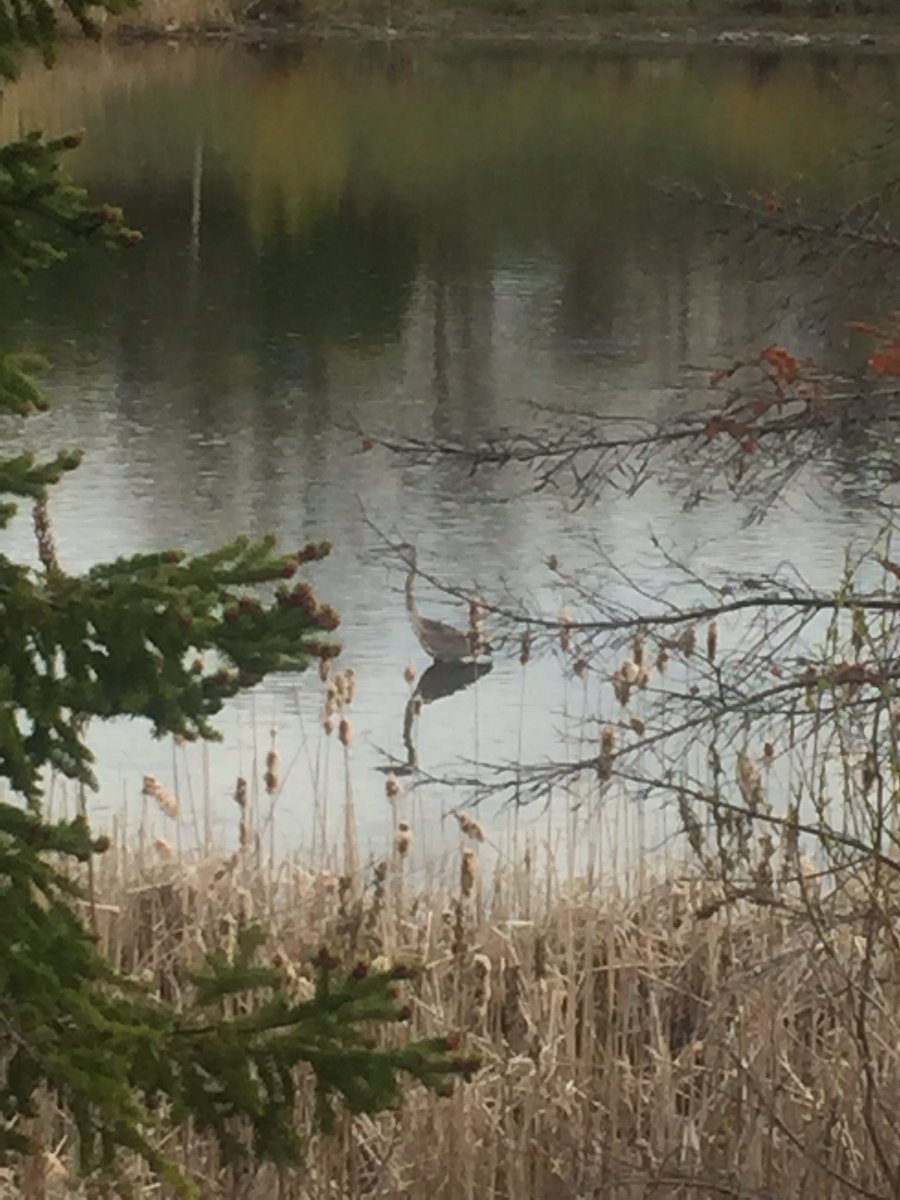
(444, 643)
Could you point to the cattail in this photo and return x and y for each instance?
(163, 797)
(328, 725)
(712, 641)
(608, 740)
(476, 626)
(409, 674)
(525, 648)
(637, 650)
(565, 630)
(163, 847)
(688, 642)
(345, 732)
(324, 669)
(240, 793)
(349, 685)
(481, 991)
(272, 776)
(392, 787)
(638, 726)
(482, 966)
(376, 908)
(621, 686)
(749, 782)
(403, 839)
(470, 827)
(662, 659)
(869, 772)
(458, 929)
(468, 873)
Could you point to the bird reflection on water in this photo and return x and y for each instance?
(440, 680)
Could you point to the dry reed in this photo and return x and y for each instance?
(664, 1040)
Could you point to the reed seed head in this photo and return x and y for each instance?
(622, 685)
(165, 800)
(409, 674)
(525, 648)
(712, 641)
(345, 687)
(240, 793)
(392, 788)
(608, 741)
(637, 650)
(565, 630)
(470, 827)
(345, 732)
(476, 616)
(403, 839)
(273, 772)
(481, 965)
(662, 659)
(163, 848)
(468, 874)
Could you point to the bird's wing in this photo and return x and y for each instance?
(441, 629)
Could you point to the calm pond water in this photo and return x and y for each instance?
(432, 243)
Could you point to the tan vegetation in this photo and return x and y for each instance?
(647, 1036)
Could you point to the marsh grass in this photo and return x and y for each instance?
(641, 1034)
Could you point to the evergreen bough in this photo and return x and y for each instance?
(166, 637)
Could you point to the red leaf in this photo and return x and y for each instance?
(783, 364)
(886, 361)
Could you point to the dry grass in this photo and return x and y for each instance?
(640, 1040)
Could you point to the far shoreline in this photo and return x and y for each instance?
(272, 23)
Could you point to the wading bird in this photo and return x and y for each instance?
(444, 643)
